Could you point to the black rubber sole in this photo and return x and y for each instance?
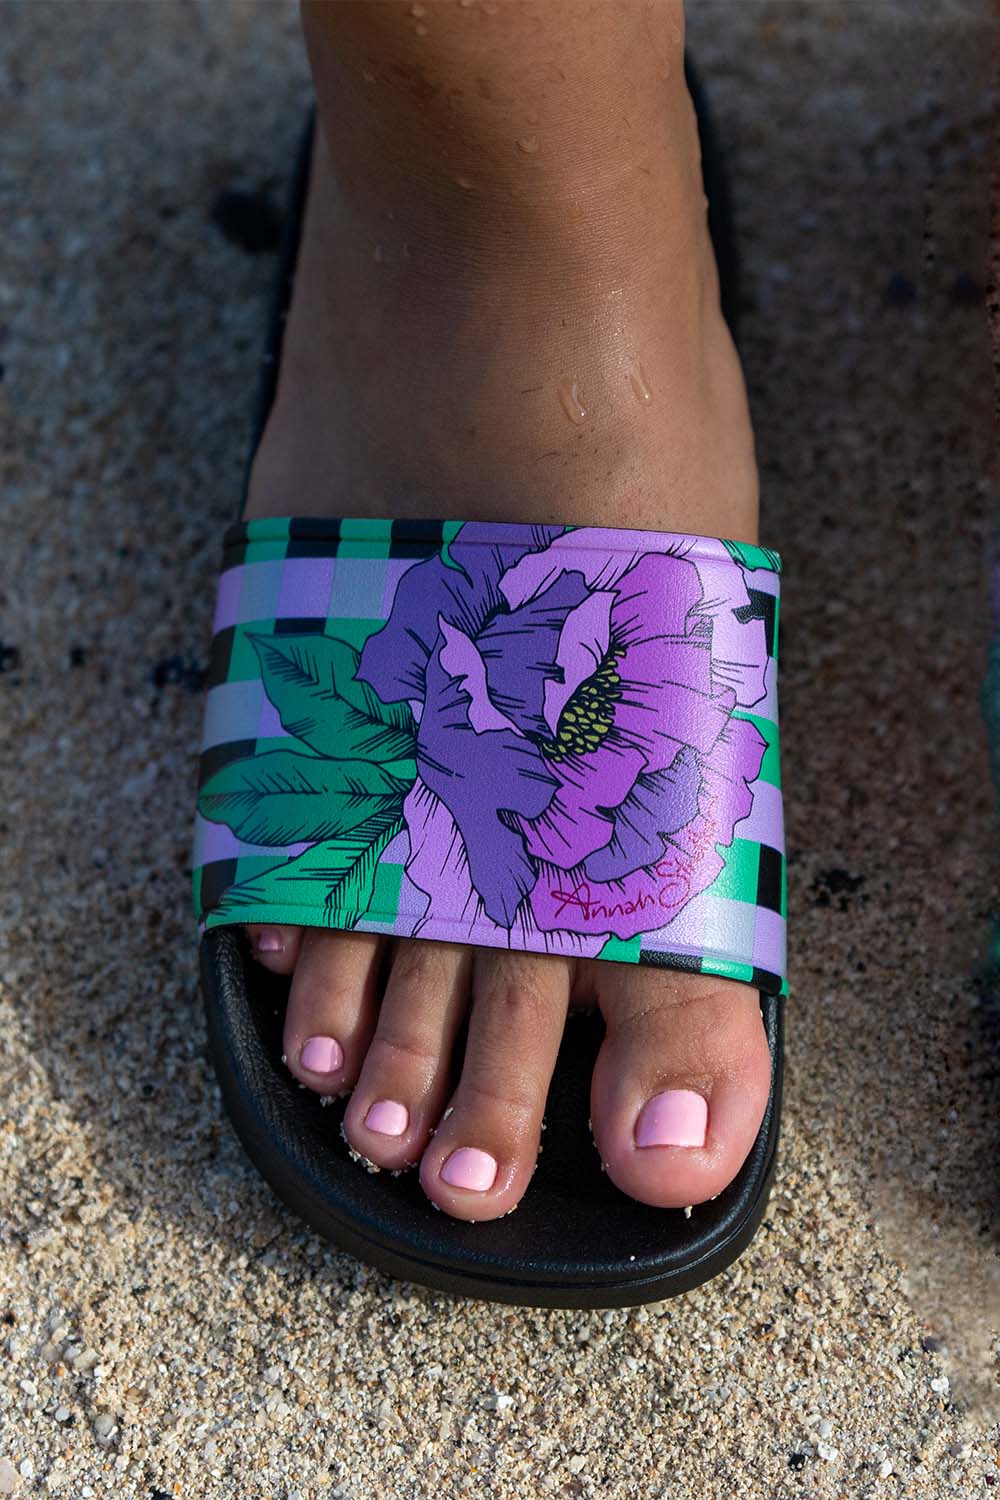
(575, 1240)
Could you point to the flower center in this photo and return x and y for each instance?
(589, 713)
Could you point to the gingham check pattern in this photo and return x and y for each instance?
(339, 577)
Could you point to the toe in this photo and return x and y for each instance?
(483, 1152)
(406, 1076)
(680, 1084)
(277, 948)
(331, 1008)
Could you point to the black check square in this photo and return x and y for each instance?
(216, 756)
(415, 538)
(220, 656)
(769, 869)
(690, 963)
(300, 625)
(216, 878)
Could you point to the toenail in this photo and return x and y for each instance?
(387, 1117)
(468, 1167)
(678, 1117)
(268, 942)
(321, 1054)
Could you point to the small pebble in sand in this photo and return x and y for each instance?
(940, 1385)
(105, 1428)
(885, 1468)
(8, 1477)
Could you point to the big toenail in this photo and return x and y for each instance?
(387, 1117)
(268, 942)
(678, 1117)
(321, 1054)
(468, 1167)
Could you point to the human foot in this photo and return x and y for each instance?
(505, 356)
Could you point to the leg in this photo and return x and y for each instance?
(507, 308)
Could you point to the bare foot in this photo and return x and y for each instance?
(506, 308)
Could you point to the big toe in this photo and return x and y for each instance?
(681, 1082)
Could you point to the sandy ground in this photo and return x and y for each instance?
(166, 1328)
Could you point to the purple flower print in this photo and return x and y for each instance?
(578, 759)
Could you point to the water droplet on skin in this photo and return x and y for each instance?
(528, 144)
(379, 255)
(491, 10)
(406, 250)
(465, 184)
(466, 4)
(637, 380)
(367, 75)
(420, 29)
(418, 11)
(569, 400)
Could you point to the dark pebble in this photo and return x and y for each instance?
(247, 219)
(900, 291)
(77, 656)
(930, 1346)
(796, 1461)
(839, 884)
(178, 671)
(10, 658)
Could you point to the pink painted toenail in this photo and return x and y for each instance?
(268, 942)
(387, 1117)
(678, 1117)
(321, 1054)
(468, 1167)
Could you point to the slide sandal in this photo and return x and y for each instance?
(356, 773)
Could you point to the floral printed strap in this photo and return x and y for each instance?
(555, 739)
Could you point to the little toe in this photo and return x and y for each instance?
(483, 1153)
(331, 1008)
(277, 948)
(680, 1084)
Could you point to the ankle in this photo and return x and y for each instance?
(510, 346)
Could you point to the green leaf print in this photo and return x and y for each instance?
(343, 870)
(751, 557)
(283, 797)
(310, 680)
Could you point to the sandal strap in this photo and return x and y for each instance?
(546, 738)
